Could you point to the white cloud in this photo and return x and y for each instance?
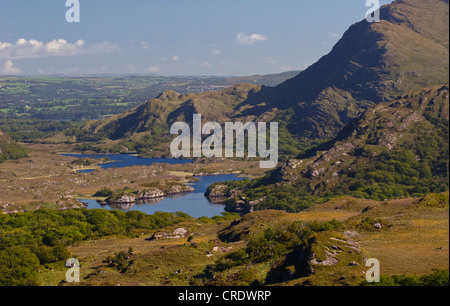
(58, 47)
(9, 69)
(4, 45)
(175, 58)
(205, 64)
(250, 40)
(215, 51)
(33, 48)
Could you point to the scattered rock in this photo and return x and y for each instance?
(124, 200)
(181, 232)
(176, 189)
(330, 261)
(151, 194)
(156, 236)
(218, 191)
(221, 249)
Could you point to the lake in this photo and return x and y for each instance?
(128, 160)
(194, 204)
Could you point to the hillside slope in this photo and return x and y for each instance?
(393, 149)
(372, 63)
(9, 149)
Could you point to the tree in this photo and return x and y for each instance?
(18, 267)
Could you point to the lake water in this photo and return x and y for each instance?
(128, 160)
(194, 204)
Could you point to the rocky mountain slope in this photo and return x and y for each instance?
(394, 149)
(415, 126)
(372, 63)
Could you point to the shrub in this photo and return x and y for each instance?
(18, 267)
(104, 193)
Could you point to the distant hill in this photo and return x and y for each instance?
(372, 63)
(94, 97)
(266, 80)
(394, 149)
(10, 149)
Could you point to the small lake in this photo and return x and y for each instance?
(194, 204)
(128, 160)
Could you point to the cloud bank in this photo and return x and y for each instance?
(250, 40)
(9, 69)
(33, 48)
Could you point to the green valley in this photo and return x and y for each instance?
(362, 175)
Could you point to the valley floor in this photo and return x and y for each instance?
(47, 179)
(408, 236)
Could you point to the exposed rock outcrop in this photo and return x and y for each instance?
(149, 194)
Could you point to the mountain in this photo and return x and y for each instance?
(266, 80)
(9, 149)
(148, 125)
(372, 63)
(394, 149)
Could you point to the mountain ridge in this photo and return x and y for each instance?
(372, 63)
(394, 149)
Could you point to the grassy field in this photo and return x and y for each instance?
(409, 244)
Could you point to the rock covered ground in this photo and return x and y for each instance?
(49, 180)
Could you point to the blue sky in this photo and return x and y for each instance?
(171, 37)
